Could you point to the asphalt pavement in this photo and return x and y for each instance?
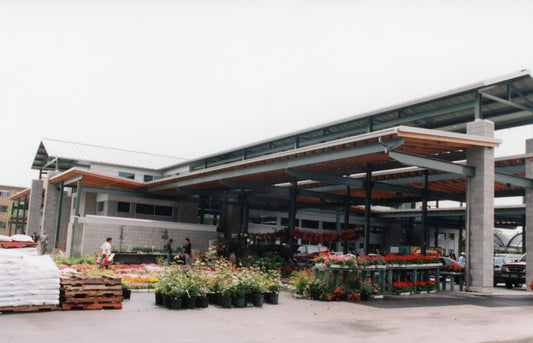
(499, 316)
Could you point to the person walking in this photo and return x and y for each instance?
(187, 251)
(105, 253)
(43, 241)
(462, 258)
(168, 249)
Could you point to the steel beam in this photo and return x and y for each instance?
(508, 103)
(430, 163)
(513, 180)
(284, 164)
(383, 186)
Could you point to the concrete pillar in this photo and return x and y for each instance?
(529, 215)
(480, 211)
(51, 206)
(34, 209)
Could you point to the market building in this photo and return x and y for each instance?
(386, 171)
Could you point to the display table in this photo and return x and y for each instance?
(453, 276)
(382, 275)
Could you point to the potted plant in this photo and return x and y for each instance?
(367, 289)
(273, 288)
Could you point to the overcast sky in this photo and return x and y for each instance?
(190, 78)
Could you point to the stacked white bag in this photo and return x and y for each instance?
(27, 279)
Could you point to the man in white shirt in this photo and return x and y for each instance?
(105, 250)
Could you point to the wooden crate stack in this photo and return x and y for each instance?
(90, 292)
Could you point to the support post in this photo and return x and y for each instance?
(527, 236)
(425, 214)
(480, 211)
(78, 196)
(368, 196)
(58, 224)
(292, 212)
(24, 209)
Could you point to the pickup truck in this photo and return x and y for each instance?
(514, 273)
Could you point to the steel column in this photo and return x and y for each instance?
(78, 196)
(292, 211)
(425, 213)
(17, 225)
(24, 208)
(368, 195)
(58, 221)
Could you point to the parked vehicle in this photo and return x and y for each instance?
(446, 261)
(514, 273)
(306, 253)
(498, 262)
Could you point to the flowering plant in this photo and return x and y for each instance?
(402, 287)
(428, 285)
(301, 280)
(367, 289)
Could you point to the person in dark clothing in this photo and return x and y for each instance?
(168, 249)
(187, 250)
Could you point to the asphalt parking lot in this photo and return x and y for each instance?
(505, 316)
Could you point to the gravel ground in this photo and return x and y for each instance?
(442, 317)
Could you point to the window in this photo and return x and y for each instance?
(310, 224)
(127, 175)
(153, 210)
(2, 225)
(100, 206)
(3, 208)
(163, 211)
(329, 226)
(4, 193)
(263, 220)
(285, 222)
(148, 178)
(451, 236)
(144, 209)
(123, 207)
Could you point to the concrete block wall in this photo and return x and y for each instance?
(34, 209)
(51, 205)
(480, 209)
(130, 233)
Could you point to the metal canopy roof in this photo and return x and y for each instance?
(81, 155)
(507, 101)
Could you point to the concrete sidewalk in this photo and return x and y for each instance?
(441, 317)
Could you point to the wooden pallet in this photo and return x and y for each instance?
(96, 300)
(29, 308)
(85, 292)
(91, 306)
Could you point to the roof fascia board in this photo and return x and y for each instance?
(446, 136)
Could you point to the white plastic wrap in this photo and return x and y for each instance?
(27, 279)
